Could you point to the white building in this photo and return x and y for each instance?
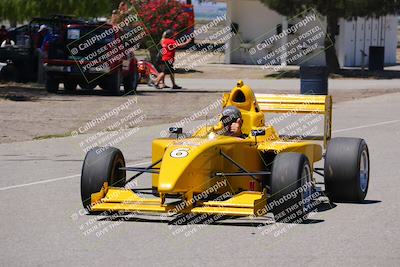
(257, 23)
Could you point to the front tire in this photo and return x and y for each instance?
(101, 165)
(291, 187)
(346, 169)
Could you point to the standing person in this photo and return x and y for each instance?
(7, 43)
(123, 7)
(42, 36)
(169, 46)
(3, 33)
(118, 15)
(114, 17)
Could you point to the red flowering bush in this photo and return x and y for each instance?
(160, 15)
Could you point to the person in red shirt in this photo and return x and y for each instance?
(169, 46)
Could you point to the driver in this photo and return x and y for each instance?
(232, 121)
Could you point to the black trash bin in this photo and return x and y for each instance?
(314, 80)
(376, 58)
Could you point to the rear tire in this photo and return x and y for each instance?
(101, 165)
(51, 84)
(114, 83)
(87, 86)
(131, 82)
(9, 73)
(346, 169)
(70, 86)
(291, 187)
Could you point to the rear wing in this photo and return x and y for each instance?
(300, 104)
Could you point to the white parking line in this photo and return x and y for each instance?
(52, 180)
(39, 182)
(366, 126)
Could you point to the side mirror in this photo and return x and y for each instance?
(175, 130)
(258, 132)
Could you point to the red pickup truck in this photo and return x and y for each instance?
(84, 54)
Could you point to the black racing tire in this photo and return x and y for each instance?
(291, 187)
(51, 84)
(101, 165)
(346, 169)
(70, 86)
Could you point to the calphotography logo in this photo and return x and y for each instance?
(103, 48)
(298, 43)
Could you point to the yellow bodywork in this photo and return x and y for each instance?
(191, 167)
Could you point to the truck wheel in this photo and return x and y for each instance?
(9, 73)
(291, 187)
(51, 84)
(101, 165)
(128, 84)
(113, 83)
(87, 86)
(131, 83)
(346, 169)
(70, 86)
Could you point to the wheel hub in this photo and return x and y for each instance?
(364, 170)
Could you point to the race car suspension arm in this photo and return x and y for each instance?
(241, 174)
(140, 171)
(244, 171)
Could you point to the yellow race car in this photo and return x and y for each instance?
(211, 173)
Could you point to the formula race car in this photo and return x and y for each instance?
(212, 173)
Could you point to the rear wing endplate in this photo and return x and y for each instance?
(300, 104)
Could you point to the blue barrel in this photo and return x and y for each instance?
(314, 80)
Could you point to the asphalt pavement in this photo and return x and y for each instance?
(42, 222)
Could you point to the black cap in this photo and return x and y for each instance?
(230, 114)
(168, 33)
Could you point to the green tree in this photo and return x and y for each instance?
(334, 10)
(21, 10)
